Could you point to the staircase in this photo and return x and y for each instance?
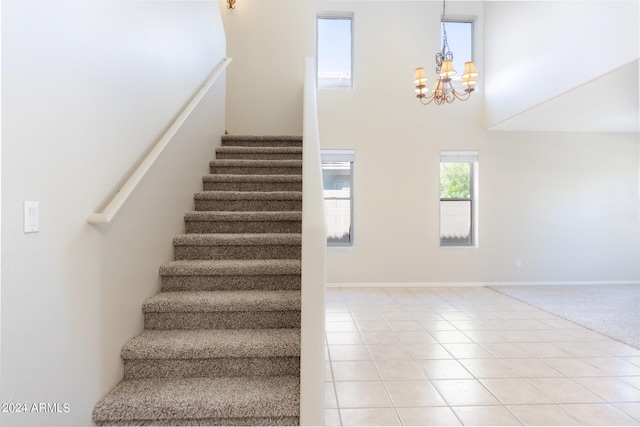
(221, 341)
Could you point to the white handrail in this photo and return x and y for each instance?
(314, 243)
(123, 194)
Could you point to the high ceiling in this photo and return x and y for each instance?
(608, 103)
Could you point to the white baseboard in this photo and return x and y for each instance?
(475, 284)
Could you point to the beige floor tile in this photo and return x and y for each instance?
(613, 366)
(428, 351)
(413, 394)
(349, 352)
(615, 348)
(405, 325)
(369, 417)
(543, 415)
(362, 394)
(485, 336)
(430, 346)
(542, 349)
(341, 327)
(415, 337)
(398, 316)
(426, 315)
(488, 368)
(515, 391)
(582, 349)
(368, 316)
(359, 370)
(389, 352)
(533, 368)
(486, 416)
(632, 381)
(434, 416)
(373, 325)
(521, 336)
(450, 337)
(464, 392)
(380, 337)
(330, 400)
(505, 350)
(469, 325)
(631, 409)
(444, 369)
(344, 338)
(437, 325)
(610, 389)
(634, 360)
(399, 370)
(564, 390)
(338, 317)
(573, 367)
(328, 375)
(599, 414)
(332, 418)
(468, 351)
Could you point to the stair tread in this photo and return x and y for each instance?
(269, 150)
(256, 163)
(246, 267)
(250, 178)
(248, 195)
(157, 399)
(222, 301)
(243, 216)
(229, 137)
(240, 239)
(213, 343)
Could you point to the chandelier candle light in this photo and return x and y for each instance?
(443, 90)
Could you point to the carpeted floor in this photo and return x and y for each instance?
(612, 310)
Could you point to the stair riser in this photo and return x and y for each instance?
(255, 170)
(248, 205)
(237, 252)
(229, 227)
(222, 320)
(229, 283)
(219, 367)
(252, 186)
(259, 156)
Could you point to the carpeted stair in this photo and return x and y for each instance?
(221, 341)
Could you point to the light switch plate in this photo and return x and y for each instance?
(31, 217)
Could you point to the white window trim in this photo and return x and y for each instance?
(337, 15)
(461, 156)
(331, 155)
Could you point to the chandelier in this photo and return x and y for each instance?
(443, 90)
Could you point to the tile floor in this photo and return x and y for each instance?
(469, 356)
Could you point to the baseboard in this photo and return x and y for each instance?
(475, 284)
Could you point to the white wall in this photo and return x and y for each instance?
(87, 88)
(565, 204)
(268, 41)
(544, 49)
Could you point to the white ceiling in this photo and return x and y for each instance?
(608, 103)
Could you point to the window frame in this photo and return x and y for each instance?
(462, 20)
(338, 16)
(327, 156)
(472, 158)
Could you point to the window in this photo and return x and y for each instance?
(337, 179)
(334, 50)
(458, 198)
(460, 41)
